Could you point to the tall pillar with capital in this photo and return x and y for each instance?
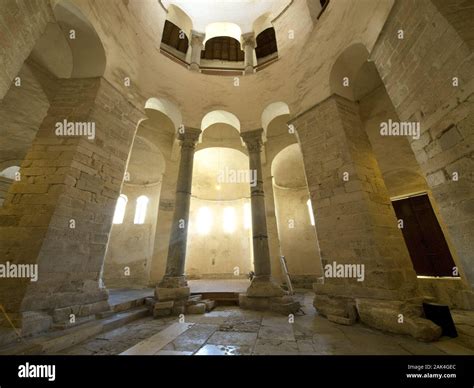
(197, 40)
(174, 284)
(248, 45)
(263, 293)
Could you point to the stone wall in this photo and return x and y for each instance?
(4, 185)
(418, 73)
(218, 253)
(67, 181)
(21, 24)
(297, 236)
(130, 248)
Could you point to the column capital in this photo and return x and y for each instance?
(253, 139)
(197, 38)
(248, 39)
(189, 136)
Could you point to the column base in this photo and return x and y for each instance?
(281, 305)
(264, 287)
(172, 289)
(264, 294)
(249, 70)
(194, 67)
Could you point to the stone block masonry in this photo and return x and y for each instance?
(429, 77)
(59, 214)
(354, 220)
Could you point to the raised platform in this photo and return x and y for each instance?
(218, 285)
(225, 292)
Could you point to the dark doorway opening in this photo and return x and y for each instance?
(424, 238)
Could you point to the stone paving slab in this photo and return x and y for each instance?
(156, 342)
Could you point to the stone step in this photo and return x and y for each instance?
(58, 340)
(127, 305)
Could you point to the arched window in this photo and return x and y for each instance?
(223, 48)
(247, 216)
(120, 209)
(266, 43)
(229, 220)
(140, 211)
(204, 220)
(310, 211)
(10, 172)
(174, 37)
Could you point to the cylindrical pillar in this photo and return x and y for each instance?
(175, 263)
(248, 45)
(197, 40)
(262, 285)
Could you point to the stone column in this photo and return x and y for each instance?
(248, 45)
(197, 40)
(174, 278)
(263, 292)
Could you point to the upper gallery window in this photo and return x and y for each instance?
(266, 44)
(223, 48)
(175, 38)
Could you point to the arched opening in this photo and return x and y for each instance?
(296, 230)
(276, 110)
(220, 128)
(357, 79)
(161, 112)
(266, 49)
(219, 236)
(141, 210)
(87, 51)
(223, 48)
(174, 40)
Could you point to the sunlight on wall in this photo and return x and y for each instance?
(310, 211)
(229, 220)
(204, 220)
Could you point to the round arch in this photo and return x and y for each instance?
(214, 30)
(71, 48)
(163, 106)
(345, 68)
(220, 116)
(272, 111)
(180, 18)
(262, 23)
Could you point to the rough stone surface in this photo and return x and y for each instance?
(397, 318)
(199, 308)
(167, 294)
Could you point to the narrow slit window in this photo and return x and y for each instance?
(120, 209)
(140, 211)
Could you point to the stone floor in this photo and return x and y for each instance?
(228, 330)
